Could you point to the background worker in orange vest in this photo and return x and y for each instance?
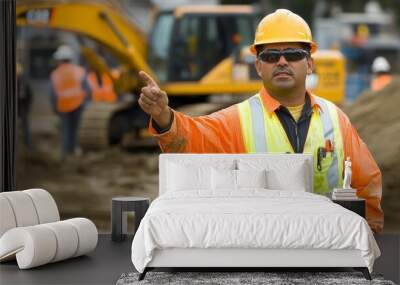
(25, 99)
(282, 117)
(69, 92)
(101, 87)
(381, 73)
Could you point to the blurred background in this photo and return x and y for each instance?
(84, 153)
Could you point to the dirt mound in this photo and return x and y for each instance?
(376, 116)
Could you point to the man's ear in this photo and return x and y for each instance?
(258, 64)
(310, 65)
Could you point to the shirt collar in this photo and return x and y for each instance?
(271, 104)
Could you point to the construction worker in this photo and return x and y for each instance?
(101, 87)
(24, 95)
(68, 92)
(282, 118)
(381, 73)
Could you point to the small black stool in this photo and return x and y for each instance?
(120, 207)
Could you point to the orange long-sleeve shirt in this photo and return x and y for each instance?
(220, 132)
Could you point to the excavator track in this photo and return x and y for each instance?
(95, 125)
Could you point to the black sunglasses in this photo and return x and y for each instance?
(290, 54)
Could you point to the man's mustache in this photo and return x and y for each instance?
(282, 69)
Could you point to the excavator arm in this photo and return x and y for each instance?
(100, 21)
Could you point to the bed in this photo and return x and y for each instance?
(247, 210)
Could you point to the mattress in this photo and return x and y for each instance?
(251, 219)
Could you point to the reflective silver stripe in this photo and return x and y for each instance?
(333, 176)
(257, 121)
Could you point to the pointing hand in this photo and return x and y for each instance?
(154, 101)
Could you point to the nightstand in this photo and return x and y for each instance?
(120, 207)
(356, 205)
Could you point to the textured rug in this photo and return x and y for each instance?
(242, 278)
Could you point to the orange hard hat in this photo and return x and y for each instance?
(283, 26)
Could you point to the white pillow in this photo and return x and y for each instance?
(228, 179)
(294, 180)
(281, 174)
(223, 179)
(182, 177)
(251, 178)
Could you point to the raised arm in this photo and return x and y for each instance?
(216, 133)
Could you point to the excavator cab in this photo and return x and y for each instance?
(189, 42)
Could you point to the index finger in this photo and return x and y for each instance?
(147, 78)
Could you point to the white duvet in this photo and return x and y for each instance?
(253, 218)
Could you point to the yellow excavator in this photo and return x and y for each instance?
(192, 51)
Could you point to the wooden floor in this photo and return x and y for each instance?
(110, 259)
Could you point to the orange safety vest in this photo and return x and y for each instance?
(67, 82)
(103, 93)
(380, 82)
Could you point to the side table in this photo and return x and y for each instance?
(355, 205)
(119, 209)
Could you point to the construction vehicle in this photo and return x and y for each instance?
(360, 37)
(192, 52)
(330, 70)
